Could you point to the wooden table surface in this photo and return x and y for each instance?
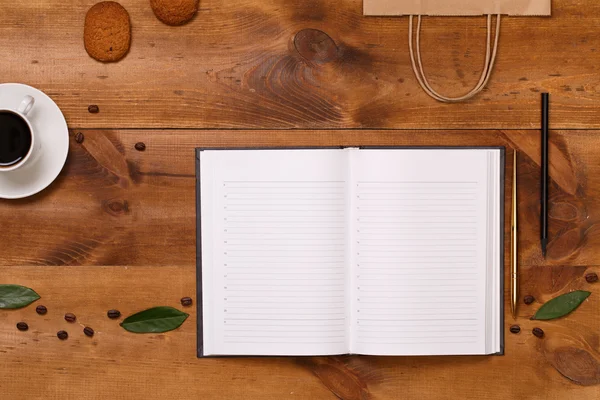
(117, 228)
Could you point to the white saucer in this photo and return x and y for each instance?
(48, 121)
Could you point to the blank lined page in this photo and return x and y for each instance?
(274, 252)
(419, 251)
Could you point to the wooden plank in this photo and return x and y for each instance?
(113, 205)
(117, 364)
(237, 65)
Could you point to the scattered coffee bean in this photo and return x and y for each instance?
(62, 335)
(42, 310)
(140, 146)
(22, 326)
(88, 331)
(591, 277)
(113, 314)
(70, 317)
(515, 329)
(186, 301)
(94, 109)
(79, 137)
(538, 332)
(528, 299)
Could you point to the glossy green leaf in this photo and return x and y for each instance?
(561, 305)
(16, 296)
(155, 320)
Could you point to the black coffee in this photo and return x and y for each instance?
(15, 139)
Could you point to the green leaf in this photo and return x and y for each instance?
(561, 305)
(155, 320)
(16, 296)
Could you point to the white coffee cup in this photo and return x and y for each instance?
(21, 112)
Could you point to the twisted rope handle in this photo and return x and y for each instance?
(490, 59)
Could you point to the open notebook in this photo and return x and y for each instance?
(367, 251)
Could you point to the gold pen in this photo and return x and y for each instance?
(514, 287)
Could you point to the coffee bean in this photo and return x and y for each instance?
(70, 317)
(94, 109)
(528, 299)
(515, 329)
(22, 326)
(591, 277)
(113, 314)
(140, 146)
(88, 331)
(538, 332)
(186, 301)
(79, 137)
(42, 310)
(62, 335)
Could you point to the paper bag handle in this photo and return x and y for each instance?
(490, 59)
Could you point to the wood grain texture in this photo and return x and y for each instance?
(118, 364)
(253, 64)
(117, 230)
(109, 196)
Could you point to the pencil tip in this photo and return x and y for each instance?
(544, 245)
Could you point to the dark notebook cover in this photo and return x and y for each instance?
(199, 222)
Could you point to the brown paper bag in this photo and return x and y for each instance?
(455, 8)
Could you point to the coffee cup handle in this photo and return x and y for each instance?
(26, 105)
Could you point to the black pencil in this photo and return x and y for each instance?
(544, 183)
